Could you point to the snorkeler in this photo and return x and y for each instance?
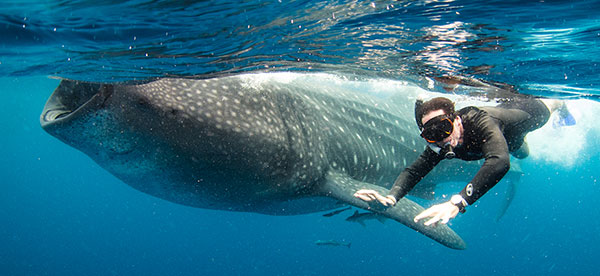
(471, 133)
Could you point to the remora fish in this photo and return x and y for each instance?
(271, 143)
(360, 218)
(331, 214)
(332, 243)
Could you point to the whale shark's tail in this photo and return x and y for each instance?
(342, 187)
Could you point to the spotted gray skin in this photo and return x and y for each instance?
(243, 143)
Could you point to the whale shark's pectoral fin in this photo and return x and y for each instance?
(342, 187)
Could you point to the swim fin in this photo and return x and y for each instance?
(563, 118)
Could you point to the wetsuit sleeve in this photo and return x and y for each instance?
(412, 174)
(496, 165)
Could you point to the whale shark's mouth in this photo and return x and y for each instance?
(55, 114)
(71, 98)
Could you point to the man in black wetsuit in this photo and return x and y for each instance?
(471, 133)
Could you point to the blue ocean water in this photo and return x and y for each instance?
(64, 215)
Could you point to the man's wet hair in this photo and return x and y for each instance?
(422, 108)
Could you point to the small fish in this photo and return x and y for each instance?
(336, 212)
(332, 243)
(362, 217)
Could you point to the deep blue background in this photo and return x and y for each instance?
(61, 214)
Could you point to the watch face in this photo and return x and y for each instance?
(459, 202)
(456, 199)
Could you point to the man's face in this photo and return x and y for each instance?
(453, 139)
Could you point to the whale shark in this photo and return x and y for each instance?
(269, 143)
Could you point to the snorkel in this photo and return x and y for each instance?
(448, 151)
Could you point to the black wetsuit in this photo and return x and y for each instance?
(489, 132)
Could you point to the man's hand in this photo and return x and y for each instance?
(441, 213)
(370, 195)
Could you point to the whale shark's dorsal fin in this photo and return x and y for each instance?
(341, 186)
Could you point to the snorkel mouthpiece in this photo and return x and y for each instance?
(449, 152)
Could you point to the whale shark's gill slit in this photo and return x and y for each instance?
(290, 114)
(106, 92)
(288, 131)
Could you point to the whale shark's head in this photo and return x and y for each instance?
(196, 142)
